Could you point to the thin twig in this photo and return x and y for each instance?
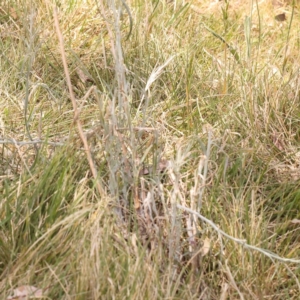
(268, 253)
(76, 112)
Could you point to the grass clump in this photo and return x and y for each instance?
(149, 150)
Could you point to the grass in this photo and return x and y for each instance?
(167, 167)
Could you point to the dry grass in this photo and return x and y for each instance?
(166, 167)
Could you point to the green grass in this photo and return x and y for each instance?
(198, 108)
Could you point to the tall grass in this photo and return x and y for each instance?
(149, 151)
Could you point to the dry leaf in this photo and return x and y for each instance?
(25, 292)
(295, 221)
(278, 3)
(206, 247)
(11, 12)
(134, 242)
(137, 203)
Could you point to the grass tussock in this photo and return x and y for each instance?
(150, 149)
